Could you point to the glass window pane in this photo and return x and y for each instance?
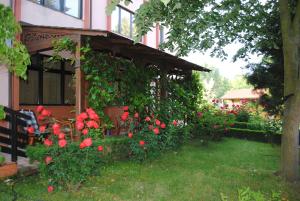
(29, 88)
(51, 88)
(72, 7)
(69, 90)
(115, 20)
(125, 23)
(55, 4)
(36, 1)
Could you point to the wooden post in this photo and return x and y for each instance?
(13, 137)
(79, 79)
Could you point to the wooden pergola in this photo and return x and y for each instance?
(39, 38)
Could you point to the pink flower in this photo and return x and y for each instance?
(30, 129)
(50, 189)
(148, 119)
(45, 112)
(156, 131)
(163, 125)
(79, 125)
(150, 127)
(61, 136)
(157, 122)
(83, 116)
(125, 108)
(175, 122)
(41, 118)
(136, 115)
(142, 143)
(94, 116)
(62, 143)
(48, 142)
(86, 143)
(130, 135)
(100, 148)
(39, 108)
(85, 131)
(199, 114)
(56, 128)
(48, 160)
(42, 129)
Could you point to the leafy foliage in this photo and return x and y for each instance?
(16, 58)
(2, 112)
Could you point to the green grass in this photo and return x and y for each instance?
(194, 172)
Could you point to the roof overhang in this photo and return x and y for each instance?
(39, 38)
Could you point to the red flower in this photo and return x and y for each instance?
(86, 143)
(85, 131)
(163, 125)
(48, 160)
(48, 142)
(61, 136)
(231, 125)
(94, 116)
(199, 114)
(124, 117)
(45, 112)
(39, 108)
(42, 129)
(148, 119)
(83, 116)
(41, 118)
(92, 124)
(142, 142)
(136, 115)
(156, 131)
(130, 135)
(30, 129)
(56, 128)
(150, 127)
(79, 125)
(100, 148)
(96, 125)
(125, 108)
(62, 143)
(50, 189)
(157, 122)
(175, 123)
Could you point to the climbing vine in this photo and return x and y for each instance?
(15, 59)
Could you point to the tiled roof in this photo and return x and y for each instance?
(242, 94)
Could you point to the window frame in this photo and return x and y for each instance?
(62, 3)
(41, 69)
(119, 31)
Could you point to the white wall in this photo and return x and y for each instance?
(36, 14)
(4, 86)
(98, 14)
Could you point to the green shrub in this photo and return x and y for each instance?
(243, 116)
(2, 160)
(256, 135)
(251, 126)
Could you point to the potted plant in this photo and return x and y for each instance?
(7, 169)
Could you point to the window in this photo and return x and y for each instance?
(122, 22)
(70, 7)
(48, 83)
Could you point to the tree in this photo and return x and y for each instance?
(215, 84)
(211, 24)
(240, 82)
(268, 74)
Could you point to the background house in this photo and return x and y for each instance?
(236, 96)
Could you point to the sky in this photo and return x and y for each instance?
(227, 68)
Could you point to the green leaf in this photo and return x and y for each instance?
(2, 112)
(165, 2)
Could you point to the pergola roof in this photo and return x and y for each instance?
(39, 38)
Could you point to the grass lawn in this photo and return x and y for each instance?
(194, 172)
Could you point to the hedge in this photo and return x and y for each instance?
(250, 126)
(255, 135)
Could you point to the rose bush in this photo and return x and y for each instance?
(62, 162)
